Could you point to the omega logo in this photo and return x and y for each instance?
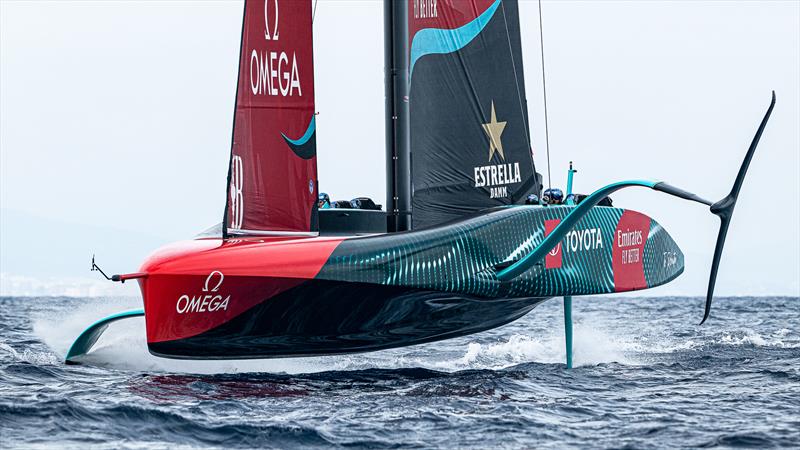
(205, 302)
(274, 36)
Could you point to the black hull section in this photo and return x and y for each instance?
(328, 317)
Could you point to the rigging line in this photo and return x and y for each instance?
(314, 14)
(544, 92)
(516, 79)
(523, 111)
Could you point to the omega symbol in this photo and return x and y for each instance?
(274, 36)
(210, 277)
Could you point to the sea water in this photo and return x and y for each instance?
(646, 375)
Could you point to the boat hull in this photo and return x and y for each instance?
(319, 317)
(261, 297)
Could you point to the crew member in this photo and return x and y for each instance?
(324, 201)
(553, 196)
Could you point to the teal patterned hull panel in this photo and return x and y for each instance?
(609, 250)
(663, 261)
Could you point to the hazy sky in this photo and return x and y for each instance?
(115, 119)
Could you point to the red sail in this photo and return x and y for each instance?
(272, 178)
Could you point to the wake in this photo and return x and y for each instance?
(123, 346)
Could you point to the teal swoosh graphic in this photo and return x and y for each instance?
(438, 41)
(306, 136)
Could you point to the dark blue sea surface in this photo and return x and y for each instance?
(647, 376)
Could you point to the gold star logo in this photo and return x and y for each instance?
(494, 130)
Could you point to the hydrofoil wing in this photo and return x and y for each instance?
(86, 340)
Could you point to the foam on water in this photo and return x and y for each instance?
(30, 356)
(592, 346)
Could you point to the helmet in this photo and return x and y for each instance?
(323, 200)
(532, 199)
(553, 196)
(364, 203)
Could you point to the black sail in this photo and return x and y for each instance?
(469, 133)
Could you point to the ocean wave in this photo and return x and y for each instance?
(644, 376)
(159, 426)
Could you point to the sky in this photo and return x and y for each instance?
(115, 125)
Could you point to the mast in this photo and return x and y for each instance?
(398, 152)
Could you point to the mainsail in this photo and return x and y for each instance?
(469, 134)
(272, 177)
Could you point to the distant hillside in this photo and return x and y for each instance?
(40, 256)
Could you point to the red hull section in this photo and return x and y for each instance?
(627, 261)
(213, 281)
